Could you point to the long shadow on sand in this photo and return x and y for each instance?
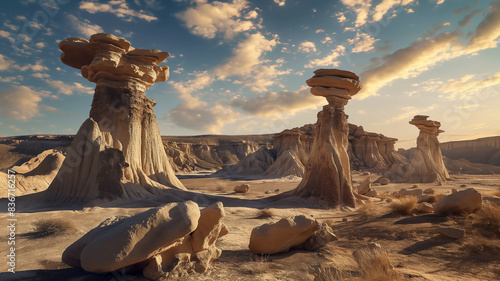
(425, 245)
(429, 218)
(68, 274)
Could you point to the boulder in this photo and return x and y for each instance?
(424, 207)
(429, 191)
(116, 244)
(242, 188)
(365, 186)
(371, 193)
(451, 232)
(426, 198)
(384, 181)
(413, 192)
(298, 232)
(465, 201)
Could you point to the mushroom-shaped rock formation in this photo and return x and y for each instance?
(328, 174)
(118, 151)
(427, 164)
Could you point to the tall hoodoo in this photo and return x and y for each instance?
(118, 151)
(328, 174)
(427, 164)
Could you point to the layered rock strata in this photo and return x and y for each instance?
(118, 151)
(427, 164)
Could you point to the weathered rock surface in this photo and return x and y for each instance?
(365, 186)
(411, 192)
(171, 240)
(483, 150)
(451, 232)
(384, 181)
(427, 164)
(291, 232)
(465, 201)
(120, 142)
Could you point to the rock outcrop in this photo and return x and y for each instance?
(171, 240)
(427, 164)
(328, 173)
(117, 153)
(292, 232)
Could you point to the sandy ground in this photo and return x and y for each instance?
(414, 248)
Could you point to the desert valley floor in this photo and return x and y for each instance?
(414, 249)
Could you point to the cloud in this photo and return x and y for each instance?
(410, 111)
(6, 35)
(11, 26)
(280, 2)
(40, 45)
(468, 85)
(274, 105)
(119, 8)
(468, 18)
(341, 17)
(5, 63)
(320, 30)
(439, 2)
(84, 27)
(37, 67)
(364, 9)
(329, 60)
(307, 47)
(488, 30)
(209, 19)
(41, 75)
(326, 40)
(195, 114)
(362, 43)
(68, 89)
(14, 128)
(19, 103)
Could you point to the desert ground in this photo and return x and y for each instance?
(414, 249)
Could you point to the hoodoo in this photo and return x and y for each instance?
(118, 151)
(328, 174)
(427, 164)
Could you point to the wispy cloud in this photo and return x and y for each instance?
(84, 27)
(69, 89)
(468, 85)
(329, 60)
(362, 43)
(119, 8)
(19, 103)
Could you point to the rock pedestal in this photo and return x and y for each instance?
(118, 151)
(328, 175)
(427, 164)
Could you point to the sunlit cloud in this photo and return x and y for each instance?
(84, 27)
(330, 60)
(119, 8)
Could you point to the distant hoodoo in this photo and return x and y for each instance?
(427, 164)
(328, 174)
(118, 151)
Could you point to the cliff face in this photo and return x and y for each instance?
(484, 150)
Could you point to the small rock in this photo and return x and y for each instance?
(384, 181)
(413, 192)
(344, 219)
(277, 190)
(371, 193)
(426, 198)
(451, 232)
(242, 188)
(453, 190)
(429, 191)
(440, 184)
(463, 185)
(415, 186)
(424, 207)
(366, 173)
(267, 192)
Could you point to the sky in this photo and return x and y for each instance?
(239, 67)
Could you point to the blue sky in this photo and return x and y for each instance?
(239, 67)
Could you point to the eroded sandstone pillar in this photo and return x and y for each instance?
(427, 164)
(328, 174)
(118, 151)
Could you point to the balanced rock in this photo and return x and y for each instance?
(451, 232)
(244, 188)
(298, 232)
(465, 201)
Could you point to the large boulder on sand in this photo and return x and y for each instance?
(298, 232)
(465, 201)
(171, 238)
